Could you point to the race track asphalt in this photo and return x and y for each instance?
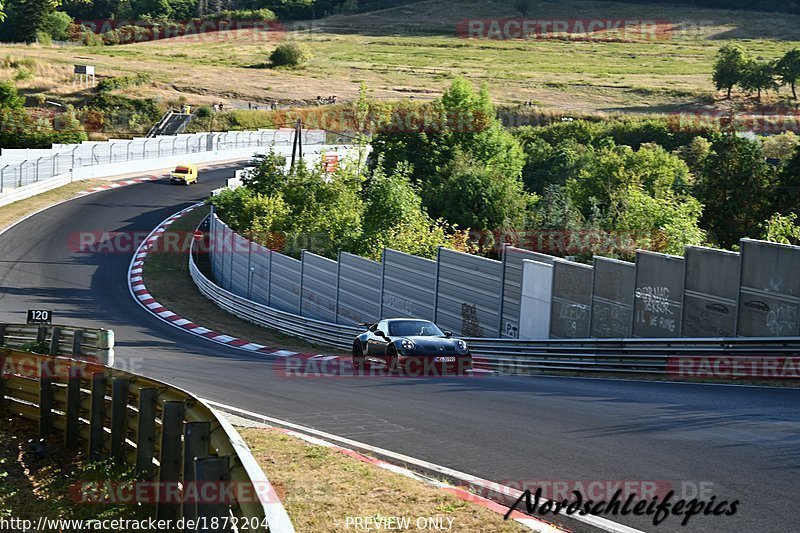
(737, 443)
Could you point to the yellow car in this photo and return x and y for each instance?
(186, 174)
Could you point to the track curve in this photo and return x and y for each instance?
(745, 441)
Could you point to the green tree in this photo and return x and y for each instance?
(269, 174)
(788, 68)
(613, 167)
(735, 188)
(473, 195)
(153, 9)
(55, 24)
(308, 208)
(786, 194)
(462, 123)
(730, 67)
(782, 228)
(525, 7)
(666, 224)
(759, 76)
(394, 217)
(26, 18)
(9, 98)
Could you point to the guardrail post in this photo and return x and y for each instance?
(72, 413)
(119, 417)
(2, 378)
(54, 341)
(45, 397)
(77, 340)
(97, 416)
(196, 438)
(41, 334)
(146, 433)
(212, 470)
(169, 460)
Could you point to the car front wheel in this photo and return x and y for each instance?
(392, 361)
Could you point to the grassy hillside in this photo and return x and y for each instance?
(414, 51)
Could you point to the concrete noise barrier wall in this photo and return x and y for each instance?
(769, 294)
(468, 294)
(409, 286)
(612, 298)
(536, 300)
(658, 297)
(512, 286)
(570, 313)
(710, 295)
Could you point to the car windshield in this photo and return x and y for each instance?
(413, 328)
(181, 170)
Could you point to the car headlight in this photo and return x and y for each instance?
(462, 346)
(407, 344)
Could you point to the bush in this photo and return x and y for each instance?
(9, 98)
(23, 74)
(203, 112)
(292, 54)
(81, 34)
(244, 14)
(123, 82)
(44, 38)
(55, 25)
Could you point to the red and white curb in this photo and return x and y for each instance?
(118, 184)
(140, 293)
(320, 438)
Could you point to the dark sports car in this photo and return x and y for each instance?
(411, 345)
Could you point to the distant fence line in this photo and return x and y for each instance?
(528, 295)
(34, 168)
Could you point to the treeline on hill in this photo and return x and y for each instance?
(43, 20)
(454, 176)
(770, 6)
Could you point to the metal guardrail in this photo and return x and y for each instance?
(170, 435)
(513, 356)
(316, 331)
(61, 340)
(627, 356)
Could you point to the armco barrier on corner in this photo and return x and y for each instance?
(174, 439)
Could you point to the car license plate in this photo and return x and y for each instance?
(444, 359)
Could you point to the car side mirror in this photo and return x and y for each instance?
(448, 334)
(380, 333)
